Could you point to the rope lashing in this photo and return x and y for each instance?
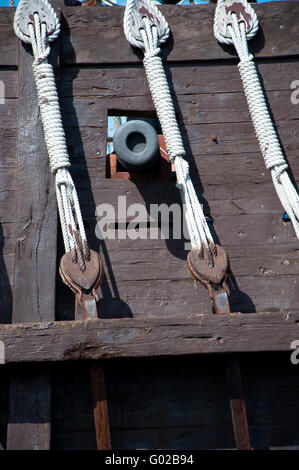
(146, 28)
(42, 28)
(235, 23)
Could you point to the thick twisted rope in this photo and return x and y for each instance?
(263, 125)
(73, 231)
(197, 226)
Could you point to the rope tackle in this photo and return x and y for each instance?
(236, 23)
(36, 23)
(146, 28)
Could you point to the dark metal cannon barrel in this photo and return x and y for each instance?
(136, 145)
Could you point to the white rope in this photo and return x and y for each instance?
(220, 24)
(67, 199)
(197, 226)
(23, 4)
(263, 125)
(129, 23)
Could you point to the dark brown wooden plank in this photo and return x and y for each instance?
(35, 266)
(202, 108)
(9, 79)
(36, 209)
(29, 426)
(187, 79)
(8, 39)
(8, 137)
(107, 339)
(194, 43)
(167, 299)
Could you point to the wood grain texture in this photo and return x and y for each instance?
(100, 408)
(104, 40)
(35, 270)
(107, 339)
(8, 39)
(149, 277)
(8, 162)
(35, 267)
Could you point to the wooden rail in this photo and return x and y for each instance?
(123, 338)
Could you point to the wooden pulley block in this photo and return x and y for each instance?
(208, 266)
(25, 16)
(244, 13)
(79, 281)
(134, 22)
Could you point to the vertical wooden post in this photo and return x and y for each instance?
(237, 404)
(100, 407)
(98, 385)
(35, 270)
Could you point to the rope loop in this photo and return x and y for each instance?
(224, 18)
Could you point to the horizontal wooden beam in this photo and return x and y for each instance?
(95, 35)
(120, 338)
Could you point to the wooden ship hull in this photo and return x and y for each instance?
(164, 353)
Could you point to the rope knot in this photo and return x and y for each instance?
(41, 56)
(62, 177)
(278, 170)
(245, 60)
(152, 53)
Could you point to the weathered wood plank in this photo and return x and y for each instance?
(257, 260)
(36, 209)
(219, 199)
(35, 266)
(108, 339)
(186, 79)
(8, 114)
(202, 108)
(8, 39)
(29, 426)
(193, 43)
(168, 299)
(8, 136)
(9, 79)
